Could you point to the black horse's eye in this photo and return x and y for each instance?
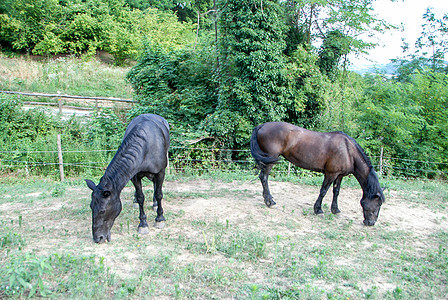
(106, 194)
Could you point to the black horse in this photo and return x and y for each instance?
(143, 153)
(334, 153)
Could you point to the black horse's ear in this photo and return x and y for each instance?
(90, 184)
(380, 196)
(106, 194)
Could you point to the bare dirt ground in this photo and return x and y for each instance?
(63, 224)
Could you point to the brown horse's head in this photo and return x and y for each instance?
(372, 198)
(371, 209)
(106, 206)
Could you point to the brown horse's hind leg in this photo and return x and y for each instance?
(264, 174)
(336, 188)
(328, 180)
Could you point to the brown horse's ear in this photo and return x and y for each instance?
(90, 184)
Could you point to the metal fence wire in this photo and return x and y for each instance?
(188, 159)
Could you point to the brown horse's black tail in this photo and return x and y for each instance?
(259, 155)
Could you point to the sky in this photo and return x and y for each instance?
(409, 13)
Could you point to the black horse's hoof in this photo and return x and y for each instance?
(159, 225)
(269, 203)
(143, 230)
(318, 211)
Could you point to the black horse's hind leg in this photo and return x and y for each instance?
(328, 180)
(336, 188)
(158, 195)
(140, 197)
(264, 174)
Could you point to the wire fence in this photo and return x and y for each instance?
(188, 159)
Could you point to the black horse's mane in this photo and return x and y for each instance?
(126, 154)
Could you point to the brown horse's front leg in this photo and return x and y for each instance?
(264, 174)
(328, 180)
(336, 188)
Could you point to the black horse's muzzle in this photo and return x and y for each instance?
(369, 222)
(101, 238)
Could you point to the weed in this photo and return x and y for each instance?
(10, 240)
(58, 191)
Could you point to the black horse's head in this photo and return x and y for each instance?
(106, 206)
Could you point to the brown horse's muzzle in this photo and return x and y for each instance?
(371, 211)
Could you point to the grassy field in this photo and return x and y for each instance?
(66, 75)
(221, 242)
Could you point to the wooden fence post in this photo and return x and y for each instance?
(60, 105)
(61, 162)
(381, 161)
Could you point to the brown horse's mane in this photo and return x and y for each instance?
(359, 148)
(372, 183)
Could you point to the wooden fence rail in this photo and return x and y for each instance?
(69, 96)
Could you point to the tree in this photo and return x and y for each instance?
(434, 38)
(430, 49)
(334, 47)
(253, 85)
(311, 21)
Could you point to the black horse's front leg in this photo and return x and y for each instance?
(158, 195)
(264, 174)
(140, 198)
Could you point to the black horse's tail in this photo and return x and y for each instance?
(259, 155)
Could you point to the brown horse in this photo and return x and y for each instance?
(333, 153)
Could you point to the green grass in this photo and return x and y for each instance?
(46, 248)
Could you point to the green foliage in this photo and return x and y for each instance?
(433, 39)
(28, 138)
(107, 129)
(407, 119)
(310, 20)
(334, 47)
(254, 80)
(48, 27)
(178, 85)
(26, 126)
(308, 87)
